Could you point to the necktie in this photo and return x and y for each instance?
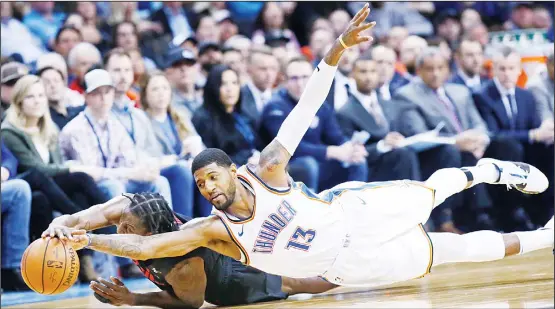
(377, 113)
(451, 112)
(512, 103)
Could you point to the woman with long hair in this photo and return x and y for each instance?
(176, 135)
(220, 123)
(29, 132)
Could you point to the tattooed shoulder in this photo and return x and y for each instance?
(273, 157)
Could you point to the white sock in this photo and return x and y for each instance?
(450, 181)
(535, 240)
(486, 173)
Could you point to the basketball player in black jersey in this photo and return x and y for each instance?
(186, 281)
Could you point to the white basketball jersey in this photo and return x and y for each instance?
(290, 233)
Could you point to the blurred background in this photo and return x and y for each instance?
(190, 75)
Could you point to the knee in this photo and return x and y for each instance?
(19, 190)
(111, 188)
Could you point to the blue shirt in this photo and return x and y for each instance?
(43, 28)
(168, 127)
(9, 161)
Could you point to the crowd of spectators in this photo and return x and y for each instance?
(102, 98)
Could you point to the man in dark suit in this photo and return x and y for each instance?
(389, 80)
(367, 111)
(510, 113)
(431, 102)
(175, 19)
(263, 68)
(325, 156)
(469, 58)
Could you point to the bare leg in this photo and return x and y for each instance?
(483, 246)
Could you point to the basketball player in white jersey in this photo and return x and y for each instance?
(356, 234)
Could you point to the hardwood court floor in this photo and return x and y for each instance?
(516, 282)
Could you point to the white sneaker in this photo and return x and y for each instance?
(521, 176)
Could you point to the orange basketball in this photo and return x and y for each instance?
(49, 266)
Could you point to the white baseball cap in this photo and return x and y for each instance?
(97, 78)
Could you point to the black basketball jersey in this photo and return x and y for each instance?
(228, 282)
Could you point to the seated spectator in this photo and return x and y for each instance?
(339, 91)
(469, 18)
(16, 37)
(542, 18)
(263, 69)
(448, 26)
(324, 157)
(522, 17)
(366, 111)
(209, 55)
(94, 29)
(320, 40)
(96, 139)
(411, 48)
(54, 86)
(126, 36)
(541, 86)
(182, 72)
(207, 30)
(53, 60)
(44, 22)
(30, 134)
(395, 38)
(219, 121)
(175, 135)
(510, 113)
(66, 38)
(389, 79)
(235, 60)
(240, 43)
(138, 126)
(469, 58)
(80, 59)
(10, 73)
(228, 27)
(339, 21)
(432, 101)
(174, 19)
(271, 20)
(16, 214)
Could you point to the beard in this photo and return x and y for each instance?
(229, 197)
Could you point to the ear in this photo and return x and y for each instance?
(233, 169)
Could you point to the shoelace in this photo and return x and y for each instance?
(523, 177)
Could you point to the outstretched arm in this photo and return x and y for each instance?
(274, 158)
(206, 232)
(90, 219)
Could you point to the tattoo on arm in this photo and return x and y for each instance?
(273, 157)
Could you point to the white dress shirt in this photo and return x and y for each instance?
(504, 96)
(471, 82)
(260, 97)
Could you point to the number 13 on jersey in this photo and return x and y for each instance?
(301, 239)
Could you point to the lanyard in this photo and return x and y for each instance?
(132, 132)
(104, 156)
(178, 148)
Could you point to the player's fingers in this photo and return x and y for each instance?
(78, 232)
(117, 281)
(362, 17)
(60, 234)
(364, 39)
(357, 15)
(108, 284)
(102, 291)
(365, 26)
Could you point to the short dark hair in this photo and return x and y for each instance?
(154, 212)
(66, 28)
(209, 156)
(118, 51)
(367, 56)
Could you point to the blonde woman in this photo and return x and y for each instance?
(29, 132)
(174, 132)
